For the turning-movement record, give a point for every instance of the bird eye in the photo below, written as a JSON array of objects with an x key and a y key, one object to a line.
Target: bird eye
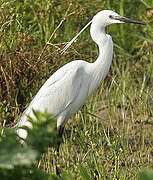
[{"x": 110, "y": 16}]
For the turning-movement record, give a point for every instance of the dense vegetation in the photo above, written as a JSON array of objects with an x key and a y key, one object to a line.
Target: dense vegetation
[{"x": 111, "y": 136}]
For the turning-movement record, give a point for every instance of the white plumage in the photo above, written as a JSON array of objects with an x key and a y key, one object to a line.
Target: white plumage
[{"x": 68, "y": 88}]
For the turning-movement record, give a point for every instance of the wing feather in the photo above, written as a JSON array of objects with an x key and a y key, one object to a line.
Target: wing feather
[{"x": 57, "y": 94}]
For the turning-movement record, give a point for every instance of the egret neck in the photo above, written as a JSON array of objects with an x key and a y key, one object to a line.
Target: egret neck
[{"x": 101, "y": 66}]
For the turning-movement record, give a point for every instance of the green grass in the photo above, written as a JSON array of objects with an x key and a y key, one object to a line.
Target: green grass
[{"x": 111, "y": 136}]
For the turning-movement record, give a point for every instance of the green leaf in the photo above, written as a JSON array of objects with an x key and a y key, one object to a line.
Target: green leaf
[
  {"x": 146, "y": 174},
  {"x": 83, "y": 172},
  {"x": 12, "y": 153},
  {"x": 43, "y": 134},
  {"x": 16, "y": 156}
]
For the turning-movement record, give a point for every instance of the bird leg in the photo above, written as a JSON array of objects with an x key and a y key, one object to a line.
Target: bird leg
[{"x": 60, "y": 131}]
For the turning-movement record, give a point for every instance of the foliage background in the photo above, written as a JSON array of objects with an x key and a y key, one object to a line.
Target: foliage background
[{"x": 112, "y": 134}]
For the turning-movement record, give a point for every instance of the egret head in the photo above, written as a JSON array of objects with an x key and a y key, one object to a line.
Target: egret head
[
  {"x": 102, "y": 19},
  {"x": 107, "y": 17}
]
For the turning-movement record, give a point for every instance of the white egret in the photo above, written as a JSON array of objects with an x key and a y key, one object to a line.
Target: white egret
[{"x": 65, "y": 92}]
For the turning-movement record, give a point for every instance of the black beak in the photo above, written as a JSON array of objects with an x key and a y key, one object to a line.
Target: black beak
[{"x": 127, "y": 20}]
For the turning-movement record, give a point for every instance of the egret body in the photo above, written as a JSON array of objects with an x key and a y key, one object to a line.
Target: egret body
[{"x": 65, "y": 92}]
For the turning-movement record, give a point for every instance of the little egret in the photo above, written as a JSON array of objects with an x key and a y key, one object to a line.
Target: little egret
[{"x": 65, "y": 92}]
